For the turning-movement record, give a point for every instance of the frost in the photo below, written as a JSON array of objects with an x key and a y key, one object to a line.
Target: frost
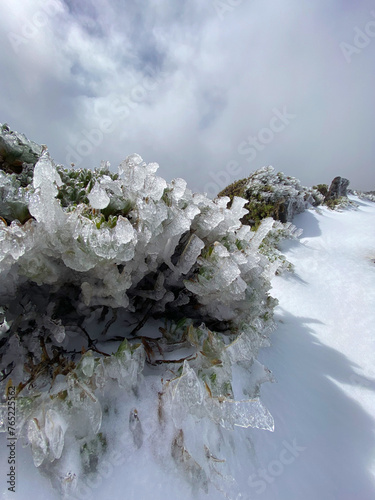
[{"x": 271, "y": 193}]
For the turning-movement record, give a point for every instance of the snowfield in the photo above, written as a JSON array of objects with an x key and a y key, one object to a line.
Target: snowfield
[{"x": 322, "y": 358}]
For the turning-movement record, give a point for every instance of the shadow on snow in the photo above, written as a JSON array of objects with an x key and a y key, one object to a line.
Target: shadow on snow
[{"x": 336, "y": 432}]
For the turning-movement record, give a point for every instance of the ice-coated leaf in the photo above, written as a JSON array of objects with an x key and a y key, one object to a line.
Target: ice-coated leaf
[
  {"x": 190, "y": 254},
  {"x": 186, "y": 394},
  {"x": 38, "y": 441},
  {"x": 87, "y": 364},
  {"x": 248, "y": 413},
  {"x": 154, "y": 186},
  {"x": 135, "y": 427},
  {"x": 125, "y": 366},
  {"x": 57, "y": 330},
  {"x": 54, "y": 429},
  {"x": 91, "y": 452},
  {"x": 124, "y": 230},
  {"x": 69, "y": 483},
  {"x": 46, "y": 175},
  {"x": 178, "y": 188},
  {"x": 241, "y": 349},
  {"x": 83, "y": 399},
  {"x": 98, "y": 197},
  {"x": 193, "y": 472}
]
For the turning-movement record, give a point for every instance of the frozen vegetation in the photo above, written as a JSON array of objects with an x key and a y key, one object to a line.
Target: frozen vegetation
[
  {"x": 114, "y": 286},
  {"x": 272, "y": 194}
]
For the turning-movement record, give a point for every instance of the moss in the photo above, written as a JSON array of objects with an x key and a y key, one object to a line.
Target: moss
[
  {"x": 333, "y": 203},
  {"x": 237, "y": 188},
  {"x": 117, "y": 207},
  {"x": 259, "y": 203},
  {"x": 16, "y": 210},
  {"x": 322, "y": 188},
  {"x": 77, "y": 184}
]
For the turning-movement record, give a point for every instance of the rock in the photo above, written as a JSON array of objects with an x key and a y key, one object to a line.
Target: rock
[{"x": 338, "y": 189}]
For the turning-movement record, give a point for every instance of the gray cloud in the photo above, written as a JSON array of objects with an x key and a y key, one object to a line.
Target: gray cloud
[{"x": 187, "y": 83}]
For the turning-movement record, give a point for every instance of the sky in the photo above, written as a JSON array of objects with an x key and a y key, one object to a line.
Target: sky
[{"x": 211, "y": 90}]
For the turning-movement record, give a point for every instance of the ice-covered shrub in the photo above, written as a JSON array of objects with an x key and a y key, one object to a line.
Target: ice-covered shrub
[
  {"x": 112, "y": 284},
  {"x": 272, "y": 194},
  {"x": 18, "y": 154},
  {"x": 368, "y": 195}
]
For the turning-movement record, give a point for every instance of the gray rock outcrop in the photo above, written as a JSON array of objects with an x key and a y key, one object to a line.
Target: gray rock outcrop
[{"x": 338, "y": 189}]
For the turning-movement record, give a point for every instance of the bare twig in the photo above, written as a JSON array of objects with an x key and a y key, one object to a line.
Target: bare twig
[
  {"x": 91, "y": 343},
  {"x": 110, "y": 322},
  {"x": 142, "y": 323}
]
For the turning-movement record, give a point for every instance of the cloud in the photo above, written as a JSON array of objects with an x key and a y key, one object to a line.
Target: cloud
[{"x": 185, "y": 83}]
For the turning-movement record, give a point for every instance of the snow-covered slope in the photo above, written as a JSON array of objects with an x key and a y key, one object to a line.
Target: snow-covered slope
[
  {"x": 323, "y": 399},
  {"x": 323, "y": 358}
]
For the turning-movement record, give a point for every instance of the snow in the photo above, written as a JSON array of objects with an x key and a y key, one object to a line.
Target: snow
[{"x": 322, "y": 358}]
